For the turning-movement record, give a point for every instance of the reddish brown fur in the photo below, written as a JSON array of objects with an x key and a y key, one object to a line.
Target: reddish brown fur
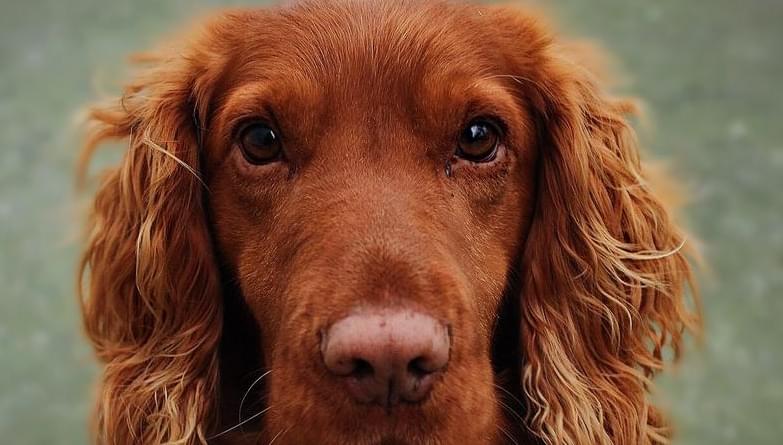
[{"x": 559, "y": 271}]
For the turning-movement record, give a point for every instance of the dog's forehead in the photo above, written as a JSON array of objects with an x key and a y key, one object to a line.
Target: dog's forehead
[{"x": 373, "y": 44}]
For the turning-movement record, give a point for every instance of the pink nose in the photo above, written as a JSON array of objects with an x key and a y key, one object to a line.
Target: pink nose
[{"x": 387, "y": 356}]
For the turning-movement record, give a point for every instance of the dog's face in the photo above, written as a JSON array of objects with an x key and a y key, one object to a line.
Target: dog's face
[
  {"x": 377, "y": 165},
  {"x": 378, "y": 223}
]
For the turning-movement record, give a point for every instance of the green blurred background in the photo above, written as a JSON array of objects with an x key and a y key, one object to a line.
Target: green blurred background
[{"x": 710, "y": 71}]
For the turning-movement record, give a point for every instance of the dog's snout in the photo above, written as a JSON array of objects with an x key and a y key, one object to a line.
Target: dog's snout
[{"x": 387, "y": 357}]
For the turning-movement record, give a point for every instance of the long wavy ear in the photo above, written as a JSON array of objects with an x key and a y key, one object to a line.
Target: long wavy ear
[
  {"x": 604, "y": 265},
  {"x": 152, "y": 308}
]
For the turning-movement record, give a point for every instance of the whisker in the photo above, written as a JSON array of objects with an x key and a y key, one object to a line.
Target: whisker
[
  {"x": 508, "y": 393},
  {"x": 255, "y": 382},
  {"x": 508, "y": 435},
  {"x": 518, "y": 79},
  {"x": 226, "y": 431},
  {"x": 280, "y": 434},
  {"x": 509, "y": 410}
]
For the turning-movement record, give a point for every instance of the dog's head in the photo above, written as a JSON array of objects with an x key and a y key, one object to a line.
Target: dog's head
[{"x": 351, "y": 222}]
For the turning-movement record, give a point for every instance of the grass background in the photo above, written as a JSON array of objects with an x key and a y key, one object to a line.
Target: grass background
[{"x": 710, "y": 71}]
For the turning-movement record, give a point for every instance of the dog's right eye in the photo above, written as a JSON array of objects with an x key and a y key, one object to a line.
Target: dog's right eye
[{"x": 260, "y": 144}]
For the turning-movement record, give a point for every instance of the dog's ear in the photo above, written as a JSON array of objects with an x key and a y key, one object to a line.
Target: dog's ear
[
  {"x": 604, "y": 265},
  {"x": 151, "y": 305}
]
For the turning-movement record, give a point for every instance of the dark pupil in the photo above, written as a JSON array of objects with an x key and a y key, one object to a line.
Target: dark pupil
[
  {"x": 260, "y": 144},
  {"x": 262, "y": 137}
]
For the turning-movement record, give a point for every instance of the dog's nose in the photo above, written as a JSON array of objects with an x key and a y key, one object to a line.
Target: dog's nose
[{"x": 386, "y": 357}]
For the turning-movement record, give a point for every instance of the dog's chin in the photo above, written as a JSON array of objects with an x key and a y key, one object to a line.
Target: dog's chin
[
  {"x": 376, "y": 433},
  {"x": 434, "y": 420}
]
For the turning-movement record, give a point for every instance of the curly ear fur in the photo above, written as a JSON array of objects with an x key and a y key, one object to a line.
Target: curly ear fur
[
  {"x": 604, "y": 269},
  {"x": 152, "y": 308}
]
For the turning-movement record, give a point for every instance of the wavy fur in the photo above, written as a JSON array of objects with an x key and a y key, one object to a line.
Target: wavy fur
[
  {"x": 605, "y": 272},
  {"x": 152, "y": 309}
]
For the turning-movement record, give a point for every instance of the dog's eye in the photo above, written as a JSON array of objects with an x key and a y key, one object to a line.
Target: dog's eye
[
  {"x": 478, "y": 141},
  {"x": 260, "y": 144}
]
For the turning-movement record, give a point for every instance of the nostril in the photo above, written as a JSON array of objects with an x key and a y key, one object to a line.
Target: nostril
[
  {"x": 362, "y": 369},
  {"x": 418, "y": 367}
]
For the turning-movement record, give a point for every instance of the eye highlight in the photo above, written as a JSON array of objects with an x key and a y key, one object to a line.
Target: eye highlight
[
  {"x": 478, "y": 141},
  {"x": 260, "y": 144}
]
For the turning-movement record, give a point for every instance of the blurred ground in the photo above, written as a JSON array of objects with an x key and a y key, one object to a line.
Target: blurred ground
[{"x": 708, "y": 69}]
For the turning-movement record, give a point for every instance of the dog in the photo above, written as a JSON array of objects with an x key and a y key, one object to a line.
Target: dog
[{"x": 378, "y": 222}]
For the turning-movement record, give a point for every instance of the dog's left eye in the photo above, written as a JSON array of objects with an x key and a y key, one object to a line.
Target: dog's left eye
[
  {"x": 478, "y": 141},
  {"x": 260, "y": 144}
]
